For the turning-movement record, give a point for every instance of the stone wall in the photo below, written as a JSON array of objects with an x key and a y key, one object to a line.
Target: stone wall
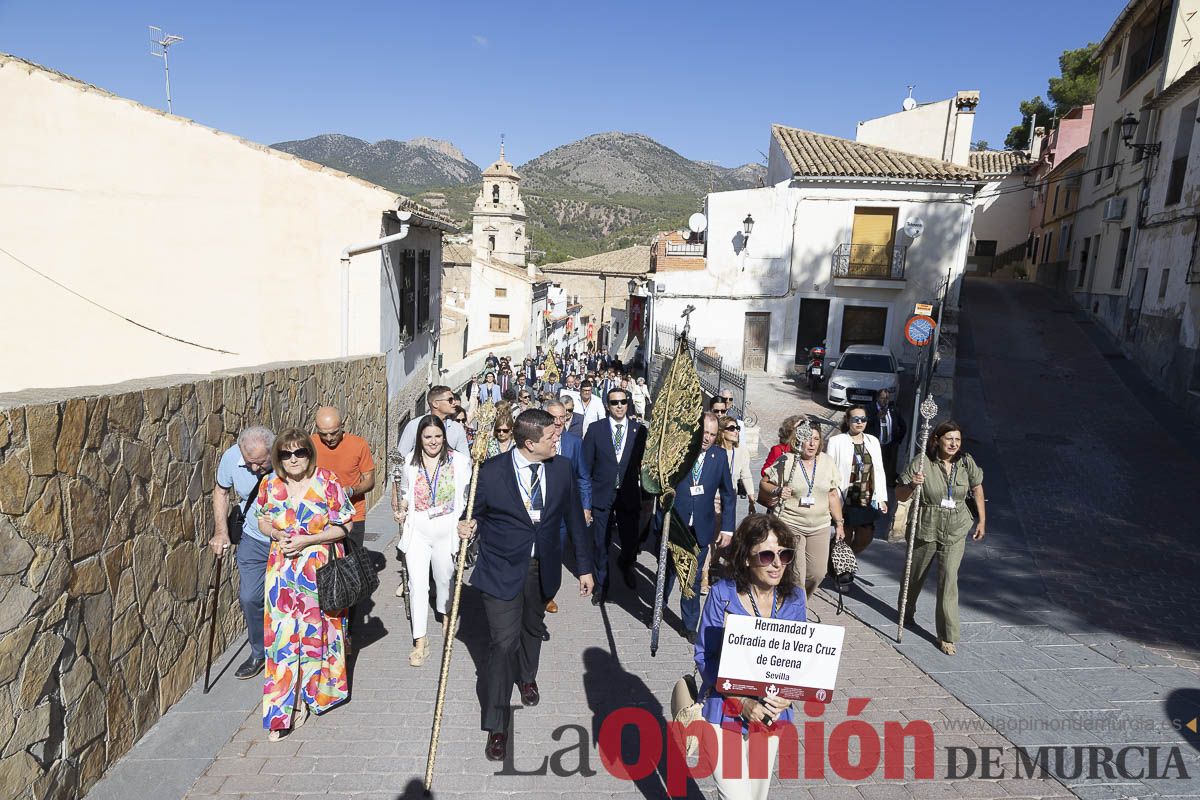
[{"x": 105, "y": 509}]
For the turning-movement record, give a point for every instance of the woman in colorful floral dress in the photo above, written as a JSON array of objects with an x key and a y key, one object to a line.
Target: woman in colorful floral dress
[{"x": 305, "y": 512}]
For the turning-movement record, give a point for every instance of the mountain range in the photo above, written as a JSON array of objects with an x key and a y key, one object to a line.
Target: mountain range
[{"x": 605, "y": 191}]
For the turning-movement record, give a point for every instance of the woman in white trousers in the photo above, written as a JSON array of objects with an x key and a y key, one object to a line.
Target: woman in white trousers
[
  {"x": 861, "y": 477},
  {"x": 432, "y": 494}
]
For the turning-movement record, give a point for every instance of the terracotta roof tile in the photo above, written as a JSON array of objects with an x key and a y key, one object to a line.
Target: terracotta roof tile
[
  {"x": 816, "y": 155},
  {"x": 633, "y": 260},
  {"x": 998, "y": 162}
]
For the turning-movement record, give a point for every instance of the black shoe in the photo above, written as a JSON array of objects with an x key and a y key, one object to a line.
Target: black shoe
[
  {"x": 598, "y": 597},
  {"x": 546, "y": 635},
  {"x": 530, "y": 696},
  {"x": 249, "y": 668},
  {"x": 629, "y": 576},
  {"x": 497, "y": 743}
]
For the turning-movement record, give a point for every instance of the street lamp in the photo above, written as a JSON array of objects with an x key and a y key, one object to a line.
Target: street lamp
[
  {"x": 1129, "y": 126},
  {"x": 633, "y": 286},
  {"x": 748, "y": 225}
]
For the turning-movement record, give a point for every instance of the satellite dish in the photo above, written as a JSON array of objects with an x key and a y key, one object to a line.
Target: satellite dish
[
  {"x": 914, "y": 227},
  {"x": 909, "y": 104},
  {"x": 697, "y": 222}
]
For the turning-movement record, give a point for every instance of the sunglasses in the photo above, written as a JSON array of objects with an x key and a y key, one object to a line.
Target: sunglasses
[
  {"x": 299, "y": 452},
  {"x": 858, "y": 419},
  {"x": 618, "y": 402},
  {"x": 503, "y": 430},
  {"x": 730, "y": 428},
  {"x": 767, "y": 557}
]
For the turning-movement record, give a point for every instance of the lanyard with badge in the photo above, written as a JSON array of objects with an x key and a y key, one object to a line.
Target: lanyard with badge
[
  {"x": 435, "y": 510},
  {"x": 807, "y": 500},
  {"x": 535, "y": 514},
  {"x": 948, "y": 500}
]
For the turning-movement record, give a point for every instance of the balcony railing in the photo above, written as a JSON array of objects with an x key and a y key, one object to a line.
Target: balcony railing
[
  {"x": 691, "y": 249},
  {"x": 873, "y": 261}
]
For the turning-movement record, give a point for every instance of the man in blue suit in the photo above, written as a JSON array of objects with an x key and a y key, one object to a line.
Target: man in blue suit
[
  {"x": 575, "y": 424},
  {"x": 522, "y": 499},
  {"x": 695, "y": 498},
  {"x": 569, "y": 448},
  {"x": 612, "y": 463}
]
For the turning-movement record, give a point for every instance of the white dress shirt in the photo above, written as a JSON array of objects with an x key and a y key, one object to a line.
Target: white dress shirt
[{"x": 594, "y": 412}]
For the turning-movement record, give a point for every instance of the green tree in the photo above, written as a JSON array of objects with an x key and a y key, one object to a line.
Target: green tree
[
  {"x": 979, "y": 145},
  {"x": 1076, "y": 85},
  {"x": 1079, "y": 73}
]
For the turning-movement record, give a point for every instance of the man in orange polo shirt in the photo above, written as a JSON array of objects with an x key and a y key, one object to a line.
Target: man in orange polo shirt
[{"x": 349, "y": 458}]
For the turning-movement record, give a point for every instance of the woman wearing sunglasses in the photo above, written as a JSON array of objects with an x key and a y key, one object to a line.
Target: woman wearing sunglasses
[
  {"x": 805, "y": 481},
  {"x": 305, "y": 512},
  {"x": 757, "y": 581},
  {"x": 502, "y": 431},
  {"x": 861, "y": 477},
  {"x": 434, "y": 483}
]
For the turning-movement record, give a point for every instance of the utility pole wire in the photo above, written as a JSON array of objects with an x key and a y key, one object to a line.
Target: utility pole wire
[{"x": 116, "y": 314}]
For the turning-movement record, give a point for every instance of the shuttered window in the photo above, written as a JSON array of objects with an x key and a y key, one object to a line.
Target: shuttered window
[{"x": 872, "y": 240}]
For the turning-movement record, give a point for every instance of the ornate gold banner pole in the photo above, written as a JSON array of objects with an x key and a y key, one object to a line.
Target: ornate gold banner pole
[
  {"x": 929, "y": 410},
  {"x": 485, "y": 418}
]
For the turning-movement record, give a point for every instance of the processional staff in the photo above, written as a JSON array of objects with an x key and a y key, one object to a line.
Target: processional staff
[{"x": 929, "y": 410}]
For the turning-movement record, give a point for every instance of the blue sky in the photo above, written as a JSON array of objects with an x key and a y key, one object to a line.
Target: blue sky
[{"x": 705, "y": 78}]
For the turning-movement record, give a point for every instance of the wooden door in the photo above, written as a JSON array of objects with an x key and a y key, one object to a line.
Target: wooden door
[
  {"x": 871, "y": 242},
  {"x": 756, "y": 341}
]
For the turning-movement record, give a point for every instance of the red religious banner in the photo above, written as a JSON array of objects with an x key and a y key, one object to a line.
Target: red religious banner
[
  {"x": 592, "y": 331},
  {"x": 637, "y": 316}
]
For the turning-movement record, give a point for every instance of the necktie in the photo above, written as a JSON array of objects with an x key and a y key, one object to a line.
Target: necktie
[
  {"x": 618, "y": 437},
  {"x": 535, "y": 488}
]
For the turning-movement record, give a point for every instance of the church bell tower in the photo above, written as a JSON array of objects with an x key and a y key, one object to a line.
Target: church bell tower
[{"x": 498, "y": 221}]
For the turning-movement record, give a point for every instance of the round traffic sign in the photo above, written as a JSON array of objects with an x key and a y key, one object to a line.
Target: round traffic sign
[{"x": 919, "y": 330}]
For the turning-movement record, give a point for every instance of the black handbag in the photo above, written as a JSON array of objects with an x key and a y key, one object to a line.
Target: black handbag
[
  {"x": 237, "y": 514},
  {"x": 346, "y": 581}
]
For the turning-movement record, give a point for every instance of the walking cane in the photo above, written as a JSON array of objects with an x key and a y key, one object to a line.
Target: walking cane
[
  {"x": 487, "y": 418},
  {"x": 929, "y": 410},
  {"x": 212, "y": 623}
]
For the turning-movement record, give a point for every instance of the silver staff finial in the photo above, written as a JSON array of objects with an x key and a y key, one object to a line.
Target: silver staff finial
[{"x": 929, "y": 408}]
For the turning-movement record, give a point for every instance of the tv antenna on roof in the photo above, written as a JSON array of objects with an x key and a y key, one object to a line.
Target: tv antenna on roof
[
  {"x": 909, "y": 103},
  {"x": 160, "y": 41}
]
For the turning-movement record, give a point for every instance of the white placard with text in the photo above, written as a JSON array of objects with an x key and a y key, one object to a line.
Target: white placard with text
[{"x": 796, "y": 660}]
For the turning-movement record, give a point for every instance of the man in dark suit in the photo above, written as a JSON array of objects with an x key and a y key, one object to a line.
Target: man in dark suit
[
  {"x": 523, "y": 498},
  {"x": 695, "y": 497},
  {"x": 612, "y": 463},
  {"x": 570, "y": 448},
  {"x": 505, "y": 381},
  {"x": 575, "y": 426},
  {"x": 886, "y": 423}
]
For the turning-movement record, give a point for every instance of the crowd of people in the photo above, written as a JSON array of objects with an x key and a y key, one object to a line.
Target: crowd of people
[{"x": 562, "y": 475}]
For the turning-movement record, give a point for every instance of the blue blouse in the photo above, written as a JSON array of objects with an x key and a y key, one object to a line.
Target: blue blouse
[{"x": 722, "y": 599}]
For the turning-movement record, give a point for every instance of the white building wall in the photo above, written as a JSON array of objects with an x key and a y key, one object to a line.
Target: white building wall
[
  {"x": 485, "y": 279},
  {"x": 935, "y": 130},
  {"x": 790, "y": 257},
  {"x": 187, "y": 230},
  {"x": 1002, "y": 212}
]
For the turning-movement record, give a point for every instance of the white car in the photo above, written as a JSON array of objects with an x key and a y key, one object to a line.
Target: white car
[{"x": 860, "y": 373}]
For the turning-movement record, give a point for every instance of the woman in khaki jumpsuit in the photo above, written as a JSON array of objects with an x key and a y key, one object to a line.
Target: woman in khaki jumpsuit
[{"x": 944, "y": 522}]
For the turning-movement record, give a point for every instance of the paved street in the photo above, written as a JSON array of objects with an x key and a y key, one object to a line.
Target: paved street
[
  {"x": 1046, "y": 657},
  {"x": 1079, "y": 623}
]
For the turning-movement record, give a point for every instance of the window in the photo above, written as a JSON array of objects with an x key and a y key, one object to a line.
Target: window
[
  {"x": 1114, "y": 60},
  {"x": 492, "y": 243},
  {"x": 1147, "y": 41},
  {"x": 1033, "y": 251},
  {"x": 871, "y": 242},
  {"x": 1122, "y": 254},
  {"x": 498, "y": 323},
  {"x": 1111, "y": 153},
  {"x": 985, "y": 247},
  {"x": 424, "y": 280},
  {"x": 1064, "y": 242},
  {"x": 1162, "y": 284},
  {"x": 1183, "y": 145},
  {"x": 1054, "y": 208},
  {"x": 1046, "y": 244},
  {"x": 1083, "y": 262},
  {"x": 408, "y": 292},
  {"x": 501, "y": 292},
  {"x": 495, "y": 193},
  {"x": 1100, "y": 156}
]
